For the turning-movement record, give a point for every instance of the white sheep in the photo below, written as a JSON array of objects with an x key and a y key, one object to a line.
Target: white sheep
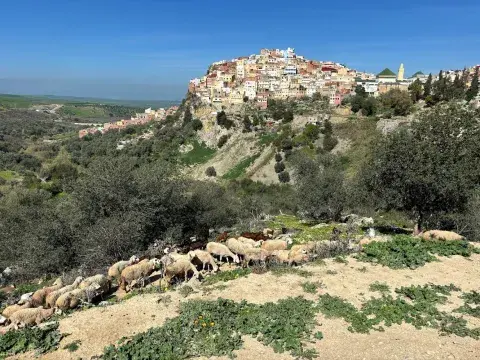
[
  {"x": 99, "y": 279},
  {"x": 30, "y": 316},
  {"x": 304, "y": 248},
  {"x": 268, "y": 232},
  {"x": 297, "y": 258},
  {"x": 281, "y": 256},
  {"x": 137, "y": 272},
  {"x": 38, "y": 297},
  {"x": 251, "y": 242},
  {"x": 237, "y": 247},
  {"x": 10, "y": 310},
  {"x": 73, "y": 298},
  {"x": 272, "y": 245},
  {"x": 440, "y": 235},
  {"x": 255, "y": 255},
  {"x": 116, "y": 269},
  {"x": 54, "y": 295},
  {"x": 222, "y": 251},
  {"x": 204, "y": 257},
  {"x": 179, "y": 267},
  {"x": 176, "y": 256}
]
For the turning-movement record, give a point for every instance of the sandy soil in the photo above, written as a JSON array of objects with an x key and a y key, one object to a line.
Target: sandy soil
[{"x": 99, "y": 327}]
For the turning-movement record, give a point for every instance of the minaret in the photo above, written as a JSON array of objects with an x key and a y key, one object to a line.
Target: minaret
[{"x": 401, "y": 73}]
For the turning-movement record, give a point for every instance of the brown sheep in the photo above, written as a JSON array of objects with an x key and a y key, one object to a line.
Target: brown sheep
[
  {"x": 10, "y": 310},
  {"x": 39, "y": 296},
  {"x": 255, "y": 236},
  {"x": 272, "y": 245},
  {"x": 179, "y": 267},
  {"x": 137, "y": 272},
  {"x": 31, "y": 316}
]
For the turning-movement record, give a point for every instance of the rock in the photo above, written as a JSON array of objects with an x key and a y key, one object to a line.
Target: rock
[
  {"x": 103, "y": 303},
  {"x": 7, "y": 272},
  {"x": 358, "y": 220}
]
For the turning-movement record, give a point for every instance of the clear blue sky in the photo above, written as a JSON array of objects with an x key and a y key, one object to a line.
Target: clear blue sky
[{"x": 149, "y": 49}]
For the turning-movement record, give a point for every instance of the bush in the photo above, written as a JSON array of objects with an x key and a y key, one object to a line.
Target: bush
[
  {"x": 329, "y": 143},
  {"x": 197, "y": 125},
  {"x": 222, "y": 141},
  {"x": 284, "y": 177},
  {"x": 399, "y": 101},
  {"x": 279, "y": 167},
  {"x": 211, "y": 171},
  {"x": 223, "y": 121},
  {"x": 278, "y": 157}
]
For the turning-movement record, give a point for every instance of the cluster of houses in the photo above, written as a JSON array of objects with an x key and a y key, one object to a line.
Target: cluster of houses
[
  {"x": 282, "y": 74},
  {"x": 138, "y": 119}
]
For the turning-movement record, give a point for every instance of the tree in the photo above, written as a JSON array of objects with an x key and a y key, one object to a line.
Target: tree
[
  {"x": 360, "y": 91},
  {"x": 398, "y": 101},
  {"x": 458, "y": 88},
  {"x": 319, "y": 186},
  {"x": 211, "y": 171},
  {"x": 245, "y": 99},
  {"x": 416, "y": 90},
  {"x": 473, "y": 90},
  {"x": 288, "y": 116},
  {"x": 222, "y": 141},
  {"x": 223, "y": 120},
  {"x": 284, "y": 177},
  {"x": 278, "y": 157},
  {"x": 197, "y": 125},
  {"x": 247, "y": 123},
  {"x": 431, "y": 168},
  {"x": 279, "y": 167},
  {"x": 187, "y": 117},
  {"x": 427, "y": 88},
  {"x": 369, "y": 106}
]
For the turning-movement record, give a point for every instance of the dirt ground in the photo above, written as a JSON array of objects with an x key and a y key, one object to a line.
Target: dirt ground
[{"x": 102, "y": 326}]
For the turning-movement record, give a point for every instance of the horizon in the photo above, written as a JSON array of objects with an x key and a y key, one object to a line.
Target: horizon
[{"x": 149, "y": 50}]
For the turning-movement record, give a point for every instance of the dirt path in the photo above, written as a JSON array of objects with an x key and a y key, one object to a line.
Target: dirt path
[{"x": 102, "y": 326}]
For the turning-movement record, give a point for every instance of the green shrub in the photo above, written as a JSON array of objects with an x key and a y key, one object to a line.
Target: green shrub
[
  {"x": 226, "y": 276},
  {"x": 279, "y": 167},
  {"x": 284, "y": 177},
  {"x": 471, "y": 298},
  {"x": 278, "y": 157},
  {"x": 197, "y": 125},
  {"x": 30, "y": 339},
  {"x": 211, "y": 171},
  {"x": 222, "y": 141},
  {"x": 311, "y": 287},
  {"x": 380, "y": 287},
  {"x": 73, "y": 346},
  {"x": 405, "y": 251},
  {"x": 215, "y": 328}
]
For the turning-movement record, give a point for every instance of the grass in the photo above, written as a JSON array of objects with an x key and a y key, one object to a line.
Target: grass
[
  {"x": 414, "y": 305},
  {"x": 186, "y": 290},
  {"x": 307, "y": 231},
  {"x": 200, "y": 154},
  {"x": 226, "y": 276},
  {"x": 331, "y": 272},
  {"x": 380, "y": 287},
  {"x": 280, "y": 270},
  {"x": 30, "y": 339},
  {"x": 9, "y": 175},
  {"x": 73, "y": 346},
  {"x": 240, "y": 168},
  {"x": 311, "y": 287},
  {"x": 267, "y": 139},
  {"x": 215, "y": 328},
  {"x": 340, "y": 259},
  {"x": 407, "y": 252}
]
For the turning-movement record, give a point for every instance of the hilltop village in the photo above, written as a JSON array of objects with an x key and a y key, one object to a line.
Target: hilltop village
[
  {"x": 282, "y": 74},
  {"x": 138, "y": 119}
]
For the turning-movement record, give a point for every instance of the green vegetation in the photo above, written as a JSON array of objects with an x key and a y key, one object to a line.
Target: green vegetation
[
  {"x": 280, "y": 270},
  {"x": 73, "y": 346},
  {"x": 311, "y": 287},
  {"x": 408, "y": 252},
  {"x": 421, "y": 312},
  {"x": 239, "y": 169},
  {"x": 226, "y": 276},
  {"x": 30, "y": 339},
  {"x": 200, "y": 154},
  {"x": 215, "y": 328},
  {"x": 469, "y": 299},
  {"x": 340, "y": 259},
  {"x": 380, "y": 287}
]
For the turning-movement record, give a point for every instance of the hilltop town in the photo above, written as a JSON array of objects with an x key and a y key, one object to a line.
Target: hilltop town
[
  {"x": 283, "y": 74},
  {"x": 138, "y": 119}
]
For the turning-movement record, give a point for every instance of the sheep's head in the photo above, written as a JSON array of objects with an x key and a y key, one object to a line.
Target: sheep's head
[
  {"x": 259, "y": 243},
  {"x": 155, "y": 263},
  {"x": 133, "y": 260},
  {"x": 58, "y": 282},
  {"x": 78, "y": 280},
  {"x": 289, "y": 241}
]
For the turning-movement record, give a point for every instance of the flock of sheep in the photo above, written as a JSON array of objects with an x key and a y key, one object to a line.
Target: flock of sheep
[{"x": 249, "y": 248}]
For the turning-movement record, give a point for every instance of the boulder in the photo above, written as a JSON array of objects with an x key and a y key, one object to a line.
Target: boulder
[{"x": 440, "y": 235}]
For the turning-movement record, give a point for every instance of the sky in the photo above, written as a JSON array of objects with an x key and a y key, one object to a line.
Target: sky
[{"x": 149, "y": 49}]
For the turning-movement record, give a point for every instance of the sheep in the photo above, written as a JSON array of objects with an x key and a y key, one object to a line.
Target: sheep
[
  {"x": 73, "y": 298},
  {"x": 116, "y": 269},
  {"x": 238, "y": 247},
  {"x": 30, "y": 316},
  {"x": 10, "y": 310},
  {"x": 137, "y": 272},
  {"x": 255, "y": 236},
  {"x": 99, "y": 279},
  {"x": 204, "y": 257},
  {"x": 165, "y": 260},
  {"x": 54, "y": 295},
  {"x": 222, "y": 251},
  {"x": 250, "y": 241},
  {"x": 222, "y": 237},
  {"x": 281, "y": 256},
  {"x": 440, "y": 235},
  {"x": 297, "y": 258},
  {"x": 272, "y": 245},
  {"x": 268, "y": 232},
  {"x": 255, "y": 254},
  {"x": 304, "y": 248},
  {"x": 179, "y": 267},
  {"x": 38, "y": 297},
  {"x": 176, "y": 256}
]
